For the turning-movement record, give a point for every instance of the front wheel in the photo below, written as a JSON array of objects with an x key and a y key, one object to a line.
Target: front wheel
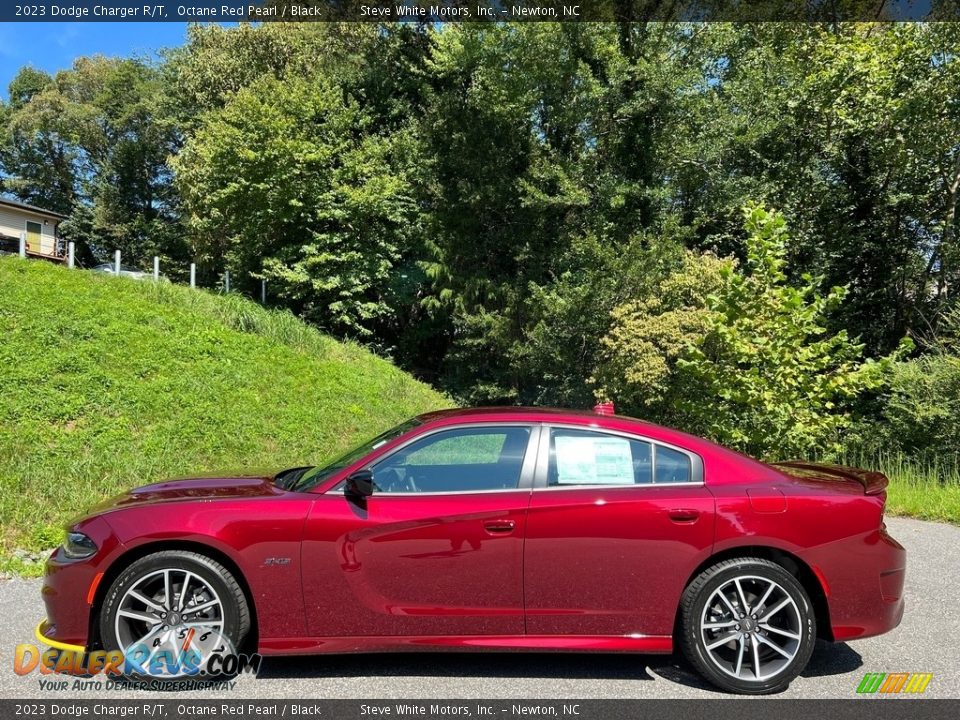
[
  {"x": 747, "y": 626},
  {"x": 171, "y": 613}
]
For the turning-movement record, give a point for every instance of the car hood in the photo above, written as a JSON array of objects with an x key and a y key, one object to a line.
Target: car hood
[{"x": 196, "y": 489}]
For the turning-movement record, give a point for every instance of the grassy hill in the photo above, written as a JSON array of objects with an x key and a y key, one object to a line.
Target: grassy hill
[{"x": 107, "y": 383}]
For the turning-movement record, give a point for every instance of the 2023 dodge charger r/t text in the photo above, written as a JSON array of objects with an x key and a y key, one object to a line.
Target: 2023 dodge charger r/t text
[{"x": 497, "y": 529}]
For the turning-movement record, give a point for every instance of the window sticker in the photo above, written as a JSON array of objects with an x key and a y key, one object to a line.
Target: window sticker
[{"x": 593, "y": 461}]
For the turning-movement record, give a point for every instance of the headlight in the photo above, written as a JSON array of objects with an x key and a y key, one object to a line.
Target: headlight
[{"x": 77, "y": 546}]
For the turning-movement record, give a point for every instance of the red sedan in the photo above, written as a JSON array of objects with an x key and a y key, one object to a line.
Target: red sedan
[{"x": 495, "y": 529}]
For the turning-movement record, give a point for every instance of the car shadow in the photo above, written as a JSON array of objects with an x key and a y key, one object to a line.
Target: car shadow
[
  {"x": 827, "y": 659},
  {"x": 532, "y": 665},
  {"x": 832, "y": 659}
]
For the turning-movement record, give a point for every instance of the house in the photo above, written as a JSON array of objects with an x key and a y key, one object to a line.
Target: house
[{"x": 39, "y": 225}]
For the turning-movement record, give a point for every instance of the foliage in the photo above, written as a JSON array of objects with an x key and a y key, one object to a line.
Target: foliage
[
  {"x": 649, "y": 336},
  {"x": 772, "y": 379},
  {"x": 38, "y": 163},
  {"x": 94, "y": 141},
  {"x": 505, "y": 227},
  {"x": 919, "y": 413},
  {"x": 142, "y": 381},
  {"x": 284, "y": 184},
  {"x": 851, "y": 130}
]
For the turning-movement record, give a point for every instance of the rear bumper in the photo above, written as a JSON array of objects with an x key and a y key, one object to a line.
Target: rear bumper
[{"x": 865, "y": 593}]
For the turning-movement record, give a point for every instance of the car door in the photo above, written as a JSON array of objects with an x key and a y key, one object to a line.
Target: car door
[
  {"x": 437, "y": 550},
  {"x": 615, "y": 526}
]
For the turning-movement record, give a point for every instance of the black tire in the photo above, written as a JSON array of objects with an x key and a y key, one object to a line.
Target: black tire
[
  {"x": 694, "y": 646},
  {"x": 236, "y": 613}
]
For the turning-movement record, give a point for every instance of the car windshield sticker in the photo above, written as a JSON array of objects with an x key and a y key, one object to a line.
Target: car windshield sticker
[{"x": 593, "y": 461}]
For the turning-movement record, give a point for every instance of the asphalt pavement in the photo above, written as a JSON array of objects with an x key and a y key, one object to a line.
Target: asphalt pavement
[{"x": 926, "y": 641}]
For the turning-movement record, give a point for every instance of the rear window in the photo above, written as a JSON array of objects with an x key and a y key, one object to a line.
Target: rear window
[{"x": 588, "y": 457}]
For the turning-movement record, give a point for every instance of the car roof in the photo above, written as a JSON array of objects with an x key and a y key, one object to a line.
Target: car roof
[
  {"x": 525, "y": 411},
  {"x": 729, "y": 464},
  {"x": 512, "y": 413}
]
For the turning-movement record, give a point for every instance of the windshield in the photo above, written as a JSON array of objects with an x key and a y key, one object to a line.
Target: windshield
[{"x": 303, "y": 481}]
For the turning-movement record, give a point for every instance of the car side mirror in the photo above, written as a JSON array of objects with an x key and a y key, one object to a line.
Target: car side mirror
[{"x": 359, "y": 484}]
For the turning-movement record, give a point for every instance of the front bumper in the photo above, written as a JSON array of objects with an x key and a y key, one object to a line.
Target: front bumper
[
  {"x": 70, "y": 587},
  {"x": 46, "y": 635}
]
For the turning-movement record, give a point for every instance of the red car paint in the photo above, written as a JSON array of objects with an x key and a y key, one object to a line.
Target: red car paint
[{"x": 575, "y": 568}]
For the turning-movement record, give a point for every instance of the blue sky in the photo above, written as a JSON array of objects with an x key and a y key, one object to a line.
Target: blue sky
[{"x": 52, "y": 46}]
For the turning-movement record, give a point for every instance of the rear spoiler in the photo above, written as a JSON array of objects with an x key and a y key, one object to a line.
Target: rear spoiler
[{"x": 873, "y": 483}]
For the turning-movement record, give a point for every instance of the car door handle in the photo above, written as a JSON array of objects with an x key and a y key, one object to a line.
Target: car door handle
[
  {"x": 684, "y": 515},
  {"x": 499, "y": 527}
]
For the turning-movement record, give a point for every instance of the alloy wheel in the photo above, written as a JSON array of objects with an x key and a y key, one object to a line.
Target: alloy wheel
[
  {"x": 169, "y": 610},
  {"x": 751, "y": 628}
]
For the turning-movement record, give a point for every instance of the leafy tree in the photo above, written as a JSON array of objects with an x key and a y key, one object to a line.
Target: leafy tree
[
  {"x": 38, "y": 160},
  {"x": 651, "y": 335},
  {"x": 526, "y": 159},
  {"x": 919, "y": 411},
  {"x": 851, "y": 130},
  {"x": 771, "y": 378},
  {"x": 287, "y": 183},
  {"x": 94, "y": 140}
]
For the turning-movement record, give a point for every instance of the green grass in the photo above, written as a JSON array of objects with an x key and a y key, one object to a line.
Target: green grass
[
  {"x": 108, "y": 383},
  {"x": 929, "y": 491}
]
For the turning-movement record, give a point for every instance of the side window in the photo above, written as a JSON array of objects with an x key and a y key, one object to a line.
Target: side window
[
  {"x": 673, "y": 466},
  {"x": 585, "y": 457},
  {"x": 458, "y": 460}
]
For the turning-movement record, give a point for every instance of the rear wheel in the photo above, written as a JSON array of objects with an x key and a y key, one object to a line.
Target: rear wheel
[
  {"x": 747, "y": 626},
  {"x": 171, "y": 612}
]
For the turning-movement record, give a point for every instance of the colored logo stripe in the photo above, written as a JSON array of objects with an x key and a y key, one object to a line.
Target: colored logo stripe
[
  {"x": 871, "y": 682},
  {"x": 918, "y": 682},
  {"x": 891, "y": 683}
]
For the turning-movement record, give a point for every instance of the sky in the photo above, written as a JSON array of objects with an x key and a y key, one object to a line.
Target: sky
[{"x": 52, "y": 46}]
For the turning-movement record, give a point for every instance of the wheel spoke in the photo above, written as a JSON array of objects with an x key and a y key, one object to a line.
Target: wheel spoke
[
  {"x": 165, "y": 644},
  {"x": 743, "y": 597},
  {"x": 153, "y": 632},
  {"x": 726, "y": 602},
  {"x": 741, "y": 651},
  {"x": 777, "y": 608},
  {"x": 723, "y": 641},
  {"x": 719, "y": 625},
  {"x": 756, "y": 656},
  {"x": 765, "y": 641},
  {"x": 780, "y": 631},
  {"x": 204, "y": 623},
  {"x": 146, "y": 601},
  {"x": 765, "y": 596},
  {"x": 198, "y": 608},
  {"x": 167, "y": 591},
  {"x": 183, "y": 590},
  {"x": 142, "y": 616}
]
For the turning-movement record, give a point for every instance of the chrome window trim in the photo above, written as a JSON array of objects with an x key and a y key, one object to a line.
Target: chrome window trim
[
  {"x": 543, "y": 460},
  {"x": 527, "y": 469}
]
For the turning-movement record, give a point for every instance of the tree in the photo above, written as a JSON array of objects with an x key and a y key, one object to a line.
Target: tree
[
  {"x": 289, "y": 183},
  {"x": 770, "y": 377},
  {"x": 650, "y": 335},
  {"x": 94, "y": 140},
  {"x": 38, "y": 160},
  {"x": 851, "y": 130}
]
